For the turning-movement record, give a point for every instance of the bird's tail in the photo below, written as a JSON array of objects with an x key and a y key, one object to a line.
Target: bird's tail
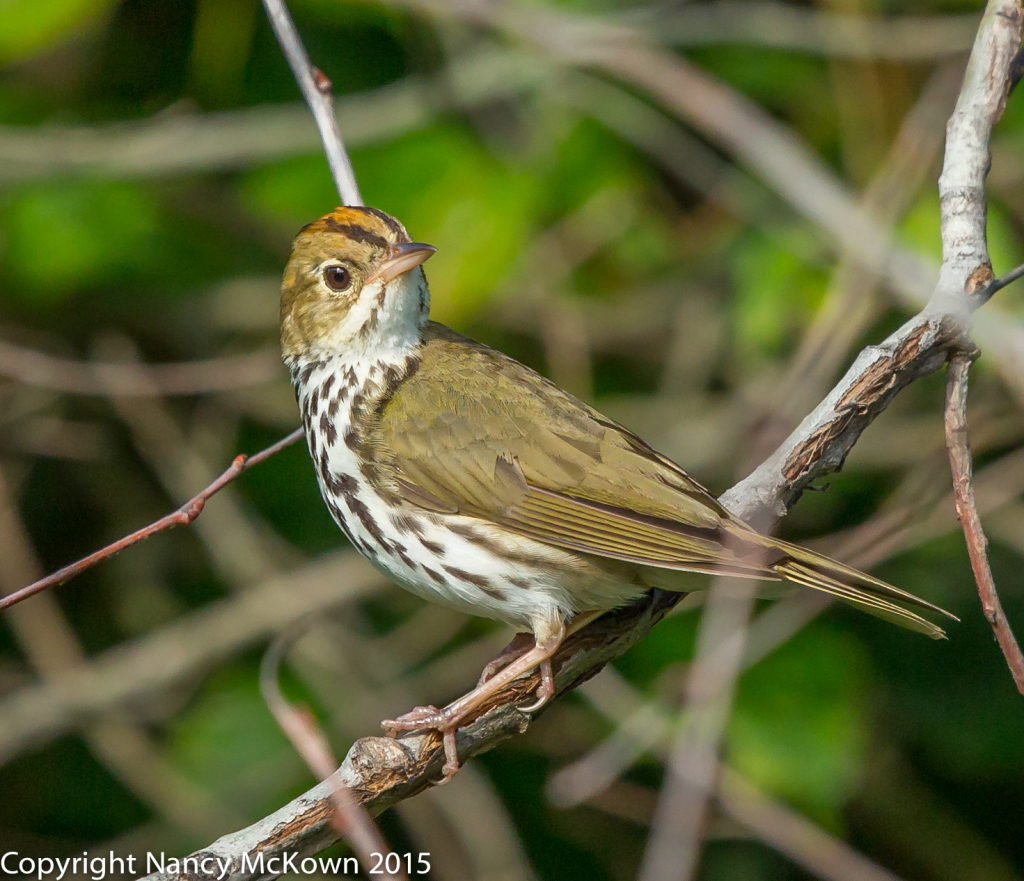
[{"x": 869, "y": 594}]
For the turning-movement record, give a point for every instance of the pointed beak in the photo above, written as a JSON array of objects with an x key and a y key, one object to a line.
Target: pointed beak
[{"x": 404, "y": 257}]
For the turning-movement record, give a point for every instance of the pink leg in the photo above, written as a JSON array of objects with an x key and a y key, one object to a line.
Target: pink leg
[
  {"x": 521, "y": 643},
  {"x": 448, "y": 720}
]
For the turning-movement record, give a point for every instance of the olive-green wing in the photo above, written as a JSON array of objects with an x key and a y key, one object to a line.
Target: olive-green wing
[{"x": 478, "y": 433}]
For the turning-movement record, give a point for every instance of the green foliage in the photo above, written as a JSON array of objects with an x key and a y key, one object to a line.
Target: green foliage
[
  {"x": 776, "y": 292},
  {"x": 227, "y": 736},
  {"x": 30, "y": 26},
  {"x": 800, "y": 727},
  {"x": 66, "y": 235}
]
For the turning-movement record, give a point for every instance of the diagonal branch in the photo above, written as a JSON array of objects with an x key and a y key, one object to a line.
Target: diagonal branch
[
  {"x": 316, "y": 89},
  {"x": 183, "y": 516},
  {"x": 967, "y": 511}
]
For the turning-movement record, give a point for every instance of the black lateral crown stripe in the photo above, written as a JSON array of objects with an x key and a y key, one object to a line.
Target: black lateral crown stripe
[
  {"x": 400, "y": 234},
  {"x": 357, "y": 233}
]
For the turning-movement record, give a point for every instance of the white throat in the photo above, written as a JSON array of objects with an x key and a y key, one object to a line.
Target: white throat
[{"x": 383, "y": 326}]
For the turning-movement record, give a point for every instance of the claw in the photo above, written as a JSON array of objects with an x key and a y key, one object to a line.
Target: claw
[
  {"x": 546, "y": 689},
  {"x": 451, "y": 718}
]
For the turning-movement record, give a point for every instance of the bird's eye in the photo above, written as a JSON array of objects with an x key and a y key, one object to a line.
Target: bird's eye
[{"x": 337, "y": 278}]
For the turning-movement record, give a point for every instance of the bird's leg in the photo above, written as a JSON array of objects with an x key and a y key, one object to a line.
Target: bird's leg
[
  {"x": 521, "y": 642},
  {"x": 548, "y": 637}
]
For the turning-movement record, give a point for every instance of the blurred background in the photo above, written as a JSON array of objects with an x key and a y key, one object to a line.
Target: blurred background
[{"x": 649, "y": 204}]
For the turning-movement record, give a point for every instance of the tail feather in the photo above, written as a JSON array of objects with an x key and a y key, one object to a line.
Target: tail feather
[{"x": 863, "y": 591}]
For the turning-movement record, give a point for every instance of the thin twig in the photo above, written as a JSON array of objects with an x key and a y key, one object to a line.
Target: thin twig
[
  {"x": 967, "y": 511},
  {"x": 316, "y": 89},
  {"x": 181, "y": 517},
  {"x": 1000, "y": 283},
  {"x": 300, "y": 726}
]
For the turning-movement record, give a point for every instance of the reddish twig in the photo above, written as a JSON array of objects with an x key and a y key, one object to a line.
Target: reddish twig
[
  {"x": 966, "y": 509},
  {"x": 182, "y": 517},
  {"x": 349, "y": 818}
]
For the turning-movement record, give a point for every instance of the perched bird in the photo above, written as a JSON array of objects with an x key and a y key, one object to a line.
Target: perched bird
[{"x": 473, "y": 481}]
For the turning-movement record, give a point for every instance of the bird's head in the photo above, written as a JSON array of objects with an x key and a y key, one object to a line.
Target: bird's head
[{"x": 353, "y": 284}]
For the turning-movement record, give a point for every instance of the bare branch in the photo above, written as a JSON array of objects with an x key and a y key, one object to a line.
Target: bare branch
[
  {"x": 962, "y": 204},
  {"x": 182, "y": 517},
  {"x": 967, "y": 511},
  {"x": 316, "y": 89}
]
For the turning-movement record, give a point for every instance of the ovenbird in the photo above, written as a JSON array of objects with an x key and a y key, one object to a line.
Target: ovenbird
[{"x": 472, "y": 481}]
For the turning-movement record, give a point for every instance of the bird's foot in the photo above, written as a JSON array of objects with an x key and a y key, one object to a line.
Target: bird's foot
[
  {"x": 451, "y": 718},
  {"x": 417, "y": 718},
  {"x": 546, "y": 689},
  {"x": 431, "y": 719}
]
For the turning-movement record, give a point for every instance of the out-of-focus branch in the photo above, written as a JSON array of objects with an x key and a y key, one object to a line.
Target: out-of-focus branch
[
  {"x": 802, "y": 841},
  {"x": 807, "y": 844},
  {"x": 316, "y": 89},
  {"x": 815, "y": 31},
  {"x": 173, "y": 143},
  {"x": 180, "y": 649},
  {"x": 300, "y": 726},
  {"x": 851, "y": 300},
  {"x": 768, "y": 148},
  {"x": 33, "y": 367},
  {"x": 677, "y": 831},
  {"x": 177, "y": 143},
  {"x": 967, "y": 511}
]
